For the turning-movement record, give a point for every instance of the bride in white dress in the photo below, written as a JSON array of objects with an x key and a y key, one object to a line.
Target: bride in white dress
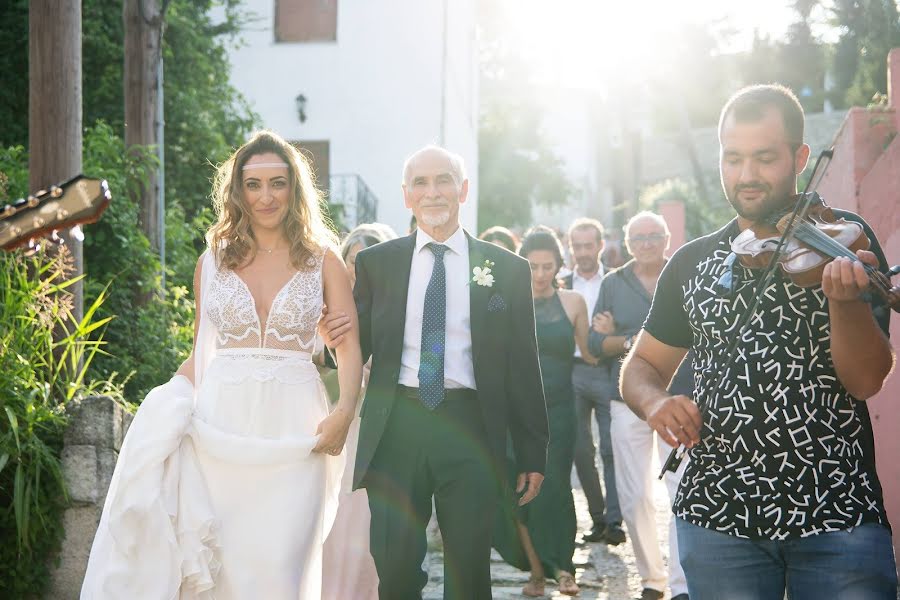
[{"x": 228, "y": 480}]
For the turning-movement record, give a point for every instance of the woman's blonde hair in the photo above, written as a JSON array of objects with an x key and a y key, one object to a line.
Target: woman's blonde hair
[{"x": 306, "y": 225}]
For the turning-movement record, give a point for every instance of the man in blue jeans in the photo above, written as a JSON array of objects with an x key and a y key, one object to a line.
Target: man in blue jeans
[
  {"x": 595, "y": 386},
  {"x": 781, "y": 491}
]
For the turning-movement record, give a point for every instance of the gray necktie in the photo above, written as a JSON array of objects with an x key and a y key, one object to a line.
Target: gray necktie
[{"x": 434, "y": 320}]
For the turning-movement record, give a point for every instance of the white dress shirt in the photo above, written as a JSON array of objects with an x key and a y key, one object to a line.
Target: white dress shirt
[
  {"x": 589, "y": 290},
  {"x": 458, "y": 369}
]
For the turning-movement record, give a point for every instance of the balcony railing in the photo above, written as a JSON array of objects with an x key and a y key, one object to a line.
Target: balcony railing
[{"x": 352, "y": 201}]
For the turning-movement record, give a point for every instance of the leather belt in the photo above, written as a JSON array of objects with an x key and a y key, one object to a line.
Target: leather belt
[{"x": 449, "y": 393}]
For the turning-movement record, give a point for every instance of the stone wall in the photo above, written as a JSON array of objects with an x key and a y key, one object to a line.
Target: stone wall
[{"x": 97, "y": 426}]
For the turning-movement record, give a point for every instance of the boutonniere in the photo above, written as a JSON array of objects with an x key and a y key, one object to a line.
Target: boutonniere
[{"x": 482, "y": 275}]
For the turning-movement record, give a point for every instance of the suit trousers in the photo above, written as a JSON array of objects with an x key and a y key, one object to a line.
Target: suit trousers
[{"x": 441, "y": 454}]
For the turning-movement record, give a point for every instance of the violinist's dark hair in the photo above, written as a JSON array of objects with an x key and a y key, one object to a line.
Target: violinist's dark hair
[{"x": 750, "y": 104}]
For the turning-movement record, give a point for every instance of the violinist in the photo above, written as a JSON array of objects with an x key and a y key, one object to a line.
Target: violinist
[{"x": 780, "y": 493}]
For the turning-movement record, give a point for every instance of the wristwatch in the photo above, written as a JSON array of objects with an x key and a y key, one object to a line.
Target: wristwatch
[{"x": 627, "y": 344}]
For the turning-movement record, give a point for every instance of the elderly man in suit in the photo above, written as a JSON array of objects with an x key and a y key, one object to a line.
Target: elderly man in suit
[{"x": 449, "y": 322}]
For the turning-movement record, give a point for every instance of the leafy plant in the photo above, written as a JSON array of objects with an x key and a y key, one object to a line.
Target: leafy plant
[{"x": 44, "y": 359}]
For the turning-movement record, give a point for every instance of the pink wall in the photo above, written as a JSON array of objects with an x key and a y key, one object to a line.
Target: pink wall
[
  {"x": 673, "y": 212},
  {"x": 864, "y": 177}
]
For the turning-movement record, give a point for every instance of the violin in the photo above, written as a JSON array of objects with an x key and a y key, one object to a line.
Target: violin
[
  {"x": 817, "y": 237},
  {"x": 800, "y": 241}
]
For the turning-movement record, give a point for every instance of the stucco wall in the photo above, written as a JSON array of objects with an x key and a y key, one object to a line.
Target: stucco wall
[
  {"x": 864, "y": 177},
  {"x": 378, "y": 93}
]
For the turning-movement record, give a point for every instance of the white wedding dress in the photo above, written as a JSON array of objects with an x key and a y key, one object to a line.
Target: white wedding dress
[{"x": 216, "y": 494}]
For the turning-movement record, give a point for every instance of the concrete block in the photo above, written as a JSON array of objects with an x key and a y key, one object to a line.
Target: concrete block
[
  {"x": 81, "y": 525},
  {"x": 95, "y": 421},
  {"x": 80, "y": 470}
]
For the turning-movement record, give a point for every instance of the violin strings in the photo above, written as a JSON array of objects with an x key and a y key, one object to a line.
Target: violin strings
[{"x": 825, "y": 243}]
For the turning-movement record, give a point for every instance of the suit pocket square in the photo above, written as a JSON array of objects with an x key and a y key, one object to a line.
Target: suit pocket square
[{"x": 496, "y": 303}]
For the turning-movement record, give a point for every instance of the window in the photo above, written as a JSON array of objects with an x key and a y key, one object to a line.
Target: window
[
  {"x": 305, "y": 20},
  {"x": 316, "y": 152}
]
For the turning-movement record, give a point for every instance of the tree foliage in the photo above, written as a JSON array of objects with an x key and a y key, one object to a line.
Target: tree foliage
[
  {"x": 205, "y": 118},
  {"x": 516, "y": 168},
  {"x": 869, "y": 29}
]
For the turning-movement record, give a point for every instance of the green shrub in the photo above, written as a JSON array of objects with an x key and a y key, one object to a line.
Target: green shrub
[{"x": 44, "y": 357}]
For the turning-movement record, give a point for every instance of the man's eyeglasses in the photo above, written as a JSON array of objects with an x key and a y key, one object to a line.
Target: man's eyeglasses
[
  {"x": 727, "y": 282},
  {"x": 653, "y": 238}
]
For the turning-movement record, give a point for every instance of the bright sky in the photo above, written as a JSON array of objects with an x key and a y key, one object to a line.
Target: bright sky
[{"x": 566, "y": 40}]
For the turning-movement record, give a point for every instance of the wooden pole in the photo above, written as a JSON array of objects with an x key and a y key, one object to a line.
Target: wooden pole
[
  {"x": 54, "y": 106},
  {"x": 143, "y": 21}
]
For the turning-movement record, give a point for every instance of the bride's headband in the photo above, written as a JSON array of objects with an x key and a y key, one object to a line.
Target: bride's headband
[{"x": 272, "y": 165}]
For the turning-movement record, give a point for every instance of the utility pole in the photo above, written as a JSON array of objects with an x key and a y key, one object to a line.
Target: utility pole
[
  {"x": 54, "y": 108},
  {"x": 143, "y": 23}
]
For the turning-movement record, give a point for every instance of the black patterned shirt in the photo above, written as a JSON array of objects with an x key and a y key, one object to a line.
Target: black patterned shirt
[{"x": 785, "y": 450}]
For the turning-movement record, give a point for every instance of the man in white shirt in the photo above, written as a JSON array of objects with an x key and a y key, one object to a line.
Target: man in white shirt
[
  {"x": 594, "y": 387},
  {"x": 449, "y": 323}
]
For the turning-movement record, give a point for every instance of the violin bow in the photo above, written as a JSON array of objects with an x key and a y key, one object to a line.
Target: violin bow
[{"x": 677, "y": 454}]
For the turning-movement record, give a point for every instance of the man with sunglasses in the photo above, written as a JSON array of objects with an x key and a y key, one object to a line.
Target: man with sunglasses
[
  {"x": 781, "y": 491},
  {"x": 625, "y": 297}
]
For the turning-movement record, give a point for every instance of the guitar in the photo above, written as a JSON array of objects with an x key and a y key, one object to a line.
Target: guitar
[{"x": 78, "y": 201}]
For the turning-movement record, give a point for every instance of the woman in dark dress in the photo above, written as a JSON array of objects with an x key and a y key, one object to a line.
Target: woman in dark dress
[{"x": 540, "y": 537}]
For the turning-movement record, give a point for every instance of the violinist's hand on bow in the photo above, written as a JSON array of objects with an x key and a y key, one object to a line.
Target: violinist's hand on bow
[
  {"x": 843, "y": 279},
  {"x": 677, "y": 420}
]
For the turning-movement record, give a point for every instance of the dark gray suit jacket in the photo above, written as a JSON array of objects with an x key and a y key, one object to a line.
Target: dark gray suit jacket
[{"x": 504, "y": 349}]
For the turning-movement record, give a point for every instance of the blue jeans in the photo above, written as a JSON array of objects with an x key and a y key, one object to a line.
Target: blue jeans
[
  {"x": 593, "y": 393},
  {"x": 856, "y": 564}
]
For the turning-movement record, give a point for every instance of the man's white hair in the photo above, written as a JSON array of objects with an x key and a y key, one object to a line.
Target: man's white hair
[
  {"x": 646, "y": 214},
  {"x": 457, "y": 165}
]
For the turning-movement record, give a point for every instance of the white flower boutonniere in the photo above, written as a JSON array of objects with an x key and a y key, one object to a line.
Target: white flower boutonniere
[{"x": 483, "y": 275}]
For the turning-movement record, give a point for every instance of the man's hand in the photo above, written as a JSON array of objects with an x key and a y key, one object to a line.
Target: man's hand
[
  {"x": 530, "y": 483},
  {"x": 677, "y": 420},
  {"x": 844, "y": 279},
  {"x": 603, "y": 323},
  {"x": 332, "y": 327}
]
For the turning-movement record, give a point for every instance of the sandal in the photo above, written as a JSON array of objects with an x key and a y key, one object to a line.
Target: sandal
[
  {"x": 534, "y": 588},
  {"x": 567, "y": 585}
]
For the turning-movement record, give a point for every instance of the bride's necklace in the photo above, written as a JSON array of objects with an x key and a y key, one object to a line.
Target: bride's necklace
[{"x": 269, "y": 251}]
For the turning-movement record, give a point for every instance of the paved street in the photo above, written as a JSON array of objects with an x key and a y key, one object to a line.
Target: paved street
[{"x": 603, "y": 572}]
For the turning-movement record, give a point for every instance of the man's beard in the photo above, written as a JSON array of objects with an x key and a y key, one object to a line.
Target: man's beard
[
  {"x": 436, "y": 220},
  {"x": 774, "y": 199},
  {"x": 587, "y": 264}
]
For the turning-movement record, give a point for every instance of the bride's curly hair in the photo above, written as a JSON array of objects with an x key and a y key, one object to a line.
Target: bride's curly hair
[{"x": 306, "y": 224}]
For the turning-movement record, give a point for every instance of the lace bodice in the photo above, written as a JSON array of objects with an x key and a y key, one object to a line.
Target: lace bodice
[{"x": 290, "y": 324}]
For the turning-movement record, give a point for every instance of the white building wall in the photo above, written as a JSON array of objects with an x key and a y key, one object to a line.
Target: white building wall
[
  {"x": 376, "y": 93},
  {"x": 572, "y": 130}
]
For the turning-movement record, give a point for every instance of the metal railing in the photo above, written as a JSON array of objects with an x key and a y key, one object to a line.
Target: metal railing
[{"x": 351, "y": 200}]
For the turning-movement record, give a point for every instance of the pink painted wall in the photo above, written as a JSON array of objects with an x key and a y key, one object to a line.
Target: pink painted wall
[
  {"x": 864, "y": 177},
  {"x": 673, "y": 212}
]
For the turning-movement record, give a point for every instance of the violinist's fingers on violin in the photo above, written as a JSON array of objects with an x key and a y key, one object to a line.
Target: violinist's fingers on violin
[
  {"x": 867, "y": 257},
  {"x": 848, "y": 277},
  {"x": 859, "y": 274}
]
